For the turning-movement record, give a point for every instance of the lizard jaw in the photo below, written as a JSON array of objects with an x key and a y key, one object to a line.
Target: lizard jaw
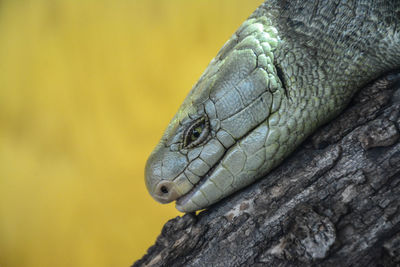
[{"x": 183, "y": 200}]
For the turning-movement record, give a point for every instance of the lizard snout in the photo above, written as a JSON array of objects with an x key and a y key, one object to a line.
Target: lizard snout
[{"x": 165, "y": 192}]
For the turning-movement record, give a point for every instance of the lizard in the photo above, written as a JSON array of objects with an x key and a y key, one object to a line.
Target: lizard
[{"x": 291, "y": 67}]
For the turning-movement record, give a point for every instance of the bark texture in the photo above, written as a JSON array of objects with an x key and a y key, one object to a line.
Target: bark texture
[{"x": 334, "y": 202}]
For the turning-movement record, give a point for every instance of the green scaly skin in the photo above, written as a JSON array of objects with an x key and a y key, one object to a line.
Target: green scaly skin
[{"x": 291, "y": 67}]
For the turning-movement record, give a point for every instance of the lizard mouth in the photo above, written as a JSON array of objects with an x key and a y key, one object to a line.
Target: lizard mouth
[{"x": 181, "y": 201}]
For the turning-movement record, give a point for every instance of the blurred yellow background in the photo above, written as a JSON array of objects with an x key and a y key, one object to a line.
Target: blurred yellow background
[{"x": 86, "y": 90}]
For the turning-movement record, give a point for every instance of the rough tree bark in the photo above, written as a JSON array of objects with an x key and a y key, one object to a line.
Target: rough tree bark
[{"x": 334, "y": 202}]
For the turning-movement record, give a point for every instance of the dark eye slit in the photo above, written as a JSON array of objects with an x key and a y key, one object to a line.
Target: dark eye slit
[{"x": 203, "y": 122}]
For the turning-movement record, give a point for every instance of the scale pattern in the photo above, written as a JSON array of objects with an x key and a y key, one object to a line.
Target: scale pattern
[{"x": 285, "y": 72}]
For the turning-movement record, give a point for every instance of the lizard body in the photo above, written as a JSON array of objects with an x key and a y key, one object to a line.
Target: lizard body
[{"x": 291, "y": 67}]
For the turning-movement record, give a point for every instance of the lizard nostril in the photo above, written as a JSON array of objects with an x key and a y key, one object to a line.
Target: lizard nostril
[
  {"x": 165, "y": 192},
  {"x": 164, "y": 189}
]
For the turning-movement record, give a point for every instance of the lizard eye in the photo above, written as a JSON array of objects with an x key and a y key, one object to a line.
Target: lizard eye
[{"x": 196, "y": 133}]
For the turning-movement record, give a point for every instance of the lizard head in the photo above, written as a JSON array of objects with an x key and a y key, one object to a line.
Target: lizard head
[
  {"x": 215, "y": 144},
  {"x": 262, "y": 95}
]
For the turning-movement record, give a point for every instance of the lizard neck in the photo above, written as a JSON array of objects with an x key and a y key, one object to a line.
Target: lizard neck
[{"x": 340, "y": 44}]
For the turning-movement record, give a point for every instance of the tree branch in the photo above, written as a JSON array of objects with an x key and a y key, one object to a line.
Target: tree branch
[{"x": 334, "y": 202}]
